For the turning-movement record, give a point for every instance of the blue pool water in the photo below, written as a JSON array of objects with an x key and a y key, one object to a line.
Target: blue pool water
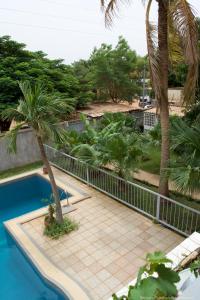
[{"x": 18, "y": 278}]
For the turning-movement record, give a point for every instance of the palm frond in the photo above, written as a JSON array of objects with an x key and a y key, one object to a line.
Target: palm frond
[
  {"x": 12, "y": 114},
  {"x": 111, "y": 8},
  {"x": 185, "y": 136},
  {"x": 151, "y": 30},
  {"x": 88, "y": 154},
  {"x": 186, "y": 179},
  {"x": 174, "y": 45},
  {"x": 185, "y": 170},
  {"x": 185, "y": 25},
  {"x": 11, "y": 136}
]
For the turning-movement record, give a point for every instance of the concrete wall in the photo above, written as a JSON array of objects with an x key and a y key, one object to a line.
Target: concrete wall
[
  {"x": 27, "y": 151},
  {"x": 77, "y": 125},
  {"x": 27, "y": 148},
  {"x": 175, "y": 95}
]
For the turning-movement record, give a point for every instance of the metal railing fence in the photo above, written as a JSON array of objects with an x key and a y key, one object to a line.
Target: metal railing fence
[{"x": 164, "y": 210}]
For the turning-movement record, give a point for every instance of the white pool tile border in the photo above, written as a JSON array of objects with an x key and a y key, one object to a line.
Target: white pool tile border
[{"x": 189, "y": 245}]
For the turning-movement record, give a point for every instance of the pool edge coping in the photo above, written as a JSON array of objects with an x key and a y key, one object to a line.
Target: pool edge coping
[{"x": 46, "y": 268}]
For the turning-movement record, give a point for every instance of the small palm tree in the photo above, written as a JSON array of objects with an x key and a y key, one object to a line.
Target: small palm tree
[
  {"x": 110, "y": 146},
  {"x": 41, "y": 112},
  {"x": 185, "y": 171}
]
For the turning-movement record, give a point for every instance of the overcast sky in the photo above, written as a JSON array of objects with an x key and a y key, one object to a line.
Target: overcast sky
[{"x": 70, "y": 29}]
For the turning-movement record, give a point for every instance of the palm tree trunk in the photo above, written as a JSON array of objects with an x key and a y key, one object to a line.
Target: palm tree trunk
[
  {"x": 59, "y": 216},
  {"x": 163, "y": 102}
]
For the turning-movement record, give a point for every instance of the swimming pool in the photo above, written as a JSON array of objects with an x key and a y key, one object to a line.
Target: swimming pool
[{"x": 18, "y": 278}]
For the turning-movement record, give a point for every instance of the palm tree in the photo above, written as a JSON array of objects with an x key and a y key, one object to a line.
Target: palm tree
[
  {"x": 177, "y": 23},
  {"x": 185, "y": 171},
  {"x": 41, "y": 112}
]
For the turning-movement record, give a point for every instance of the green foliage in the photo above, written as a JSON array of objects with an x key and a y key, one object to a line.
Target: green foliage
[
  {"x": 55, "y": 230},
  {"x": 193, "y": 115},
  {"x": 177, "y": 75},
  {"x": 127, "y": 121},
  {"x": 151, "y": 159},
  {"x": 154, "y": 135},
  {"x": 195, "y": 267},
  {"x": 152, "y": 147},
  {"x": 113, "y": 72},
  {"x": 114, "y": 144},
  {"x": 155, "y": 281},
  {"x": 185, "y": 170},
  {"x": 84, "y": 91},
  {"x": 19, "y": 64}
]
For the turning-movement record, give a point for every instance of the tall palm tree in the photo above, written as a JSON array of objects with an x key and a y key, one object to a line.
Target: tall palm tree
[
  {"x": 42, "y": 113},
  {"x": 177, "y": 23}
]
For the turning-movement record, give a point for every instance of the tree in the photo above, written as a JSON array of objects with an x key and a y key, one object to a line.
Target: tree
[
  {"x": 177, "y": 21},
  {"x": 113, "y": 71},
  {"x": 41, "y": 112},
  {"x": 85, "y": 92},
  {"x": 19, "y": 64},
  {"x": 198, "y": 83}
]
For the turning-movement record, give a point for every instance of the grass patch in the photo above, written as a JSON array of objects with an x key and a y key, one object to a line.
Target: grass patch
[
  {"x": 56, "y": 230},
  {"x": 19, "y": 170},
  {"x": 151, "y": 163}
]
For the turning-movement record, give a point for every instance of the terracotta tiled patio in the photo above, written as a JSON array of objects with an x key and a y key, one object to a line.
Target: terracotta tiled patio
[{"x": 109, "y": 246}]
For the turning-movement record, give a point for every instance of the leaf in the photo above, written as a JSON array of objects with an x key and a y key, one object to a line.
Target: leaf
[
  {"x": 184, "y": 22},
  {"x": 146, "y": 290},
  {"x": 140, "y": 273},
  {"x": 157, "y": 258},
  {"x": 166, "y": 280},
  {"x": 114, "y": 296},
  {"x": 195, "y": 268}
]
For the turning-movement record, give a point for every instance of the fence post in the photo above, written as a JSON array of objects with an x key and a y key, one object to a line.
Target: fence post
[
  {"x": 87, "y": 175},
  {"x": 158, "y": 208}
]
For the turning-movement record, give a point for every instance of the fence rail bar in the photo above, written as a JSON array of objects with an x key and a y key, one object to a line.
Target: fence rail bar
[{"x": 166, "y": 211}]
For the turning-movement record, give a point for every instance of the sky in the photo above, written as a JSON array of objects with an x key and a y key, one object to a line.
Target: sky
[{"x": 70, "y": 29}]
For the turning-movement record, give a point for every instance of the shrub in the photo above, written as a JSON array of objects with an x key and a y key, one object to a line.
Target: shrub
[{"x": 55, "y": 230}]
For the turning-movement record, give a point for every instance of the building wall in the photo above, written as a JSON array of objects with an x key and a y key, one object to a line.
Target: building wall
[
  {"x": 27, "y": 148},
  {"x": 175, "y": 95},
  {"x": 77, "y": 125},
  {"x": 27, "y": 151}
]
